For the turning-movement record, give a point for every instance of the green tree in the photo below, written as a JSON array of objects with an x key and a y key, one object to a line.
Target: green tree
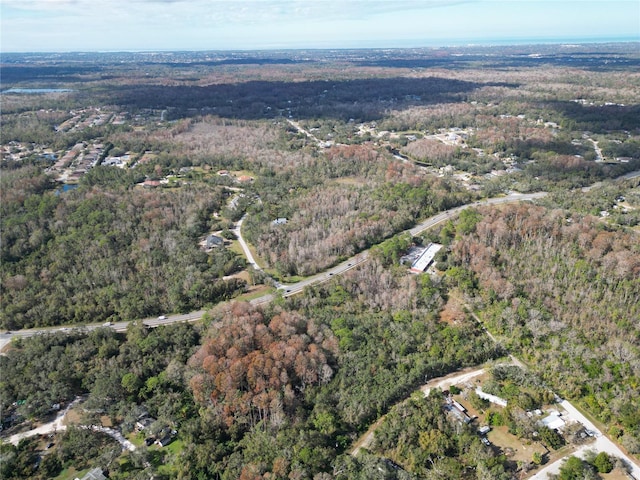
[
  {"x": 551, "y": 438},
  {"x": 573, "y": 469},
  {"x": 602, "y": 462},
  {"x": 467, "y": 221},
  {"x": 537, "y": 458},
  {"x": 131, "y": 383}
]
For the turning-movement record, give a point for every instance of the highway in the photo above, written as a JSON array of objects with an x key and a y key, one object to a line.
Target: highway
[
  {"x": 356, "y": 260},
  {"x": 294, "y": 288},
  {"x": 5, "y": 338},
  {"x": 285, "y": 289}
]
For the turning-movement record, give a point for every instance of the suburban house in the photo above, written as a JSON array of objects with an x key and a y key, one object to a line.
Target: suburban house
[
  {"x": 164, "y": 441},
  {"x": 214, "y": 241},
  {"x": 144, "y": 423},
  {"x": 456, "y": 410},
  {"x": 553, "y": 421}
]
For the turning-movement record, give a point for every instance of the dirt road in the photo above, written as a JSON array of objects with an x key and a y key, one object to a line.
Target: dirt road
[{"x": 440, "y": 382}]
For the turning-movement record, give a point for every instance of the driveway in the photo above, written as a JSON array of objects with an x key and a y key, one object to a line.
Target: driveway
[
  {"x": 440, "y": 382},
  {"x": 54, "y": 426}
]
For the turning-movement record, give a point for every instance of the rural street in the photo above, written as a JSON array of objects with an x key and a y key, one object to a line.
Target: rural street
[
  {"x": 601, "y": 444},
  {"x": 245, "y": 248}
]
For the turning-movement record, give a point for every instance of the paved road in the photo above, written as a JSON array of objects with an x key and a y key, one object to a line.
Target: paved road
[
  {"x": 5, "y": 338},
  {"x": 629, "y": 176},
  {"x": 285, "y": 289},
  {"x": 292, "y": 289}
]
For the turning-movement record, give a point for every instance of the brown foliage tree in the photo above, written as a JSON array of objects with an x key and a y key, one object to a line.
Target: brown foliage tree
[{"x": 251, "y": 368}]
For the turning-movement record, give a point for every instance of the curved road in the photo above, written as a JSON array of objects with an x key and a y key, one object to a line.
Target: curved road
[
  {"x": 292, "y": 289},
  {"x": 602, "y": 443},
  {"x": 442, "y": 383},
  {"x": 421, "y": 227},
  {"x": 285, "y": 290}
]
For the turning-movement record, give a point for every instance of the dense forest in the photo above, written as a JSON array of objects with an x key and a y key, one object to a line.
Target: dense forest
[
  {"x": 365, "y": 199},
  {"x": 544, "y": 278},
  {"x": 110, "y": 187},
  {"x": 308, "y": 374},
  {"x": 100, "y": 253}
]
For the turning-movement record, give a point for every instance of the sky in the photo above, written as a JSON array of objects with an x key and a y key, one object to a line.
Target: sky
[{"x": 152, "y": 25}]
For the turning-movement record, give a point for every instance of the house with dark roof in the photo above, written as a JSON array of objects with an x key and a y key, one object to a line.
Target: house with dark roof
[
  {"x": 214, "y": 241},
  {"x": 164, "y": 441},
  {"x": 144, "y": 423}
]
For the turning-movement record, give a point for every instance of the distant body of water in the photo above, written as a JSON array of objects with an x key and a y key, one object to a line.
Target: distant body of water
[{"x": 27, "y": 91}]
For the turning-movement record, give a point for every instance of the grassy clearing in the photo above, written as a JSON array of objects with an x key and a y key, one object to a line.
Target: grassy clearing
[
  {"x": 515, "y": 448},
  {"x": 175, "y": 447},
  {"x": 255, "y": 292},
  {"x": 351, "y": 181},
  {"x": 136, "y": 438},
  {"x": 616, "y": 474},
  {"x": 518, "y": 449},
  {"x": 71, "y": 473},
  {"x": 235, "y": 247},
  {"x": 74, "y": 416}
]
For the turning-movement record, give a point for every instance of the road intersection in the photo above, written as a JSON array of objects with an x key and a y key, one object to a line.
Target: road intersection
[{"x": 285, "y": 290}]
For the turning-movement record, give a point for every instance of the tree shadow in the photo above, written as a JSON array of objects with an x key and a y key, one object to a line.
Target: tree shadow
[
  {"x": 599, "y": 118},
  {"x": 359, "y": 99}
]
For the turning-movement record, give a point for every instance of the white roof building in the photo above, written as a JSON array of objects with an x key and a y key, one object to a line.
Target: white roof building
[
  {"x": 553, "y": 421},
  {"x": 425, "y": 259}
]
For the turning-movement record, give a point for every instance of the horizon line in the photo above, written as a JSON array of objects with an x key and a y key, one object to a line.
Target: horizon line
[{"x": 460, "y": 44}]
